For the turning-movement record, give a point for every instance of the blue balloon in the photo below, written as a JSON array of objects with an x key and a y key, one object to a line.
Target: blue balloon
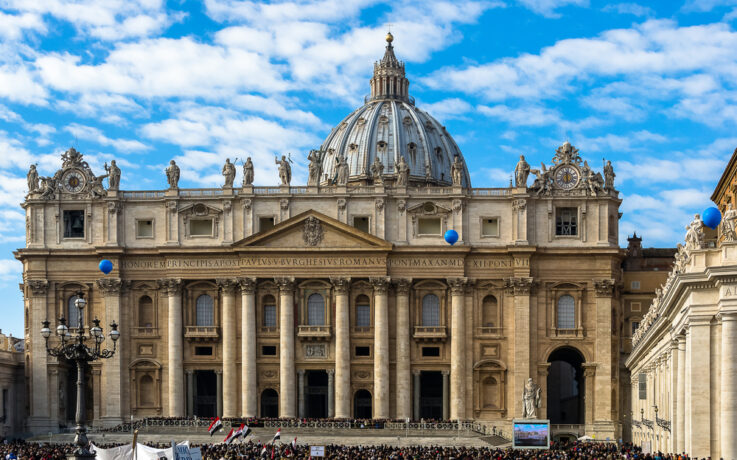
[
  {"x": 711, "y": 217},
  {"x": 106, "y": 266},
  {"x": 451, "y": 236}
]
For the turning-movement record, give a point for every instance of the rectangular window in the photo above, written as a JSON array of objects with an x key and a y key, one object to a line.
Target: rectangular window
[
  {"x": 73, "y": 224},
  {"x": 635, "y": 325},
  {"x": 200, "y": 227},
  {"x": 490, "y": 226},
  {"x": 432, "y": 352},
  {"x": 428, "y": 226},
  {"x": 635, "y": 306},
  {"x": 144, "y": 228},
  {"x": 642, "y": 382},
  {"x": 265, "y": 223},
  {"x": 268, "y": 350},
  {"x": 363, "y": 315},
  {"x": 269, "y": 315},
  {"x": 203, "y": 351},
  {"x": 363, "y": 351},
  {"x": 566, "y": 222},
  {"x": 361, "y": 223},
  {"x": 635, "y": 285}
]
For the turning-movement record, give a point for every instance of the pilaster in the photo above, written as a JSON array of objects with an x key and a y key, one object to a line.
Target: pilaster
[
  {"x": 404, "y": 384},
  {"x": 381, "y": 348},
  {"x": 457, "y": 349},
  {"x": 112, "y": 370},
  {"x": 287, "y": 396},
  {"x": 249, "y": 382},
  {"x": 520, "y": 288},
  {"x": 228, "y": 323},
  {"x": 342, "y": 348},
  {"x": 37, "y": 290},
  {"x": 173, "y": 288}
]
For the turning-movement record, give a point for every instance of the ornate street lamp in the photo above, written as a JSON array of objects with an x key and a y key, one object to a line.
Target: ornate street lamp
[{"x": 73, "y": 348}]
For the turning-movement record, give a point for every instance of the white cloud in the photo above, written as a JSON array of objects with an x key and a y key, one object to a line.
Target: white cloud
[
  {"x": 522, "y": 116},
  {"x": 96, "y": 135},
  {"x": 630, "y": 8},
  {"x": 548, "y": 7},
  {"x": 10, "y": 269},
  {"x": 13, "y": 26},
  {"x": 447, "y": 109},
  {"x": 706, "y": 5}
]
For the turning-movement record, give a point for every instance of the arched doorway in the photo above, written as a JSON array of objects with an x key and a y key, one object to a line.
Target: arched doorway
[
  {"x": 316, "y": 394},
  {"x": 205, "y": 393},
  {"x": 431, "y": 395},
  {"x": 566, "y": 387},
  {"x": 269, "y": 403},
  {"x": 362, "y": 404}
]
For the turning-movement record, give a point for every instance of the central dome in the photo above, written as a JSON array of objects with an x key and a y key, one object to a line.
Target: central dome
[{"x": 389, "y": 126}]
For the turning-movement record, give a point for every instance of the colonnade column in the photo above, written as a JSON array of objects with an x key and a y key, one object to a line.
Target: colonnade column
[
  {"x": 416, "y": 394},
  {"x": 457, "y": 349},
  {"x": 286, "y": 348},
  {"x": 249, "y": 383},
  {"x": 680, "y": 422},
  {"x": 673, "y": 391},
  {"x": 381, "y": 348},
  {"x": 728, "y": 385},
  {"x": 228, "y": 322},
  {"x": 36, "y": 290},
  {"x": 589, "y": 373},
  {"x": 342, "y": 402},
  {"x": 331, "y": 392},
  {"x": 604, "y": 290},
  {"x": 520, "y": 288},
  {"x": 698, "y": 340},
  {"x": 112, "y": 383},
  {"x": 176, "y": 361},
  {"x": 403, "y": 401}
]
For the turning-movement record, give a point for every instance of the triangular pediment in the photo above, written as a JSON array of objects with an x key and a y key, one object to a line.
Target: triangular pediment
[{"x": 312, "y": 230}]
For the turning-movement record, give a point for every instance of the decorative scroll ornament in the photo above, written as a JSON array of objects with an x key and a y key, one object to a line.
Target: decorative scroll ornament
[{"x": 312, "y": 233}]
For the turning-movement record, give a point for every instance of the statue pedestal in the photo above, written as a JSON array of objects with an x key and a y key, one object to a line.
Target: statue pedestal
[
  {"x": 172, "y": 192},
  {"x": 227, "y": 191},
  {"x": 247, "y": 190}
]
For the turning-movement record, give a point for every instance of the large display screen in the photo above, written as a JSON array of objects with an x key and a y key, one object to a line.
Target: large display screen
[{"x": 531, "y": 434}]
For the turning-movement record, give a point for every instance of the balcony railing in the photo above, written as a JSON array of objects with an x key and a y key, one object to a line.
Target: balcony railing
[
  {"x": 362, "y": 330},
  {"x": 145, "y": 331},
  {"x": 489, "y": 330},
  {"x": 313, "y": 332},
  {"x": 269, "y": 330},
  {"x": 430, "y": 333},
  {"x": 575, "y": 332},
  {"x": 201, "y": 333}
]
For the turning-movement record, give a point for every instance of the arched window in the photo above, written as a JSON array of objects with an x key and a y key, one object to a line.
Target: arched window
[
  {"x": 430, "y": 310},
  {"x": 145, "y": 312},
  {"x": 269, "y": 403},
  {"x": 315, "y": 310},
  {"x": 72, "y": 312},
  {"x": 269, "y": 317},
  {"x": 146, "y": 390},
  {"x": 566, "y": 312},
  {"x": 204, "y": 309},
  {"x": 363, "y": 311},
  {"x": 490, "y": 312}
]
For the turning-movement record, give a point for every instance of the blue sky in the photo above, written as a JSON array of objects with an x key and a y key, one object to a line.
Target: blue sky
[{"x": 649, "y": 85}]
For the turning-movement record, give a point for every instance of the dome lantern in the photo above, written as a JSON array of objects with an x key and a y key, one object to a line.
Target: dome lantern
[{"x": 389, "y": 81}]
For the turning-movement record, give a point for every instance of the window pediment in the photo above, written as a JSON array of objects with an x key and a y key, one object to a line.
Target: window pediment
[
  {"x": 428, "y": 208},
  {"x": 200, "y": 210}
]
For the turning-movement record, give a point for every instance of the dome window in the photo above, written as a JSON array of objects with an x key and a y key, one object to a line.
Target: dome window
[
  {"x": 439, "y": 152},
  {"x": 353, "y": 147},
  {"x": 361, "y": 121},
  {"x": 383, "y": 119},
  {"x": 381, "y": 145},
  {"x": 407, "y": 120},
  {"x": 412, "y": 149}
]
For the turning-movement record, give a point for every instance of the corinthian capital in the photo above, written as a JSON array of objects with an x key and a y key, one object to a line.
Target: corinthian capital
[
  {"x": 109, "y": 286},
  {"x": 604, "y": 287},
  {"x": 286, "y": 284},
  {"x": 248, "y": 285},
  {"x": 38, "y": 287},
  {"x": 341, "y": 285},
  {"x": 402, "y": 285},
  {"x": 228, "y": 285},
  {"x": 173, "y": 286},
  {"x": 381, "y": 284},
  {"x": 457, "y": 285},
  {"x": 518, "y": 286}
]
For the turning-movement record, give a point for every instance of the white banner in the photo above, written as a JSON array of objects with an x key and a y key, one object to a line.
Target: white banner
[{"x": 143, "y": 452}]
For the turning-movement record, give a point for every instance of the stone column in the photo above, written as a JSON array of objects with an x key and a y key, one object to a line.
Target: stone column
[
  {"x": 728, "y": 426},
  {"x": 457, "y": 349},
  {"x": 287, "y": 397},
  {"x": 40, "y": 421},
  {"x": 190, "y": 392},
  {"x": 331, "y": 393},
  {"x": 219, "y": 390},
  {"x": 342, "y": 349},
  {"x": 403, "y": 390},
  {"x": 381, "y": 348},
  {"x": 249, "y": 382},
  {"x": 301, "y": 392},
  {"x": 230, "y": 355},
  {"x": 112, "y": 371},
  {"x": 589, "y": 372},
  {"x": 672, "y": 389},
  {"x": 175, "y": 372},
  {"x": 604, "y": 290},
  {"x": 520, "y": 288},
  {"x": 698, "y": 371},
  {"x": 416, "y": 394},
  {"x": 446, "y": 396},
  {"x": 679, "y": 424}
]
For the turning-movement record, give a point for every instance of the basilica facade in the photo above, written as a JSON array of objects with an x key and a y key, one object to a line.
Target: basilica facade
[{"x": 339, "y": 298}]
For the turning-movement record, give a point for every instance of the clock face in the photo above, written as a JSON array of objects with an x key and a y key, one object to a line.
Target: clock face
[
  {"x": 73, "y": 181},
  {"x": 566, "y": 177}
]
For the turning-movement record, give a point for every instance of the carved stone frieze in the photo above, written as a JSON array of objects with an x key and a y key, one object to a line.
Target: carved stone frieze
[
  {"x": 604, "y": 287},
  {"x": 379, "y": 204},
  {"x": 341, "y": 204},
  {"x": 318, "y": 350},
  {"x": 341, "y": 285},
  {"x": 247, "y": 203},
  {"x": 362, "y": 375},
  {"x": 248, "y": 285},
  {"x": 269, "y": 374},
  {"x": 519, "y": 205},
  {"x": 380, "y": 284},
  {"x": 284, "y": 204},
  {"x": 312, "y": 233},
  {"x": 401, "y": 206},
  {"x": 38, "y": 287},
  {"x": 518, "y": 286},
  {"x": 110, "y": 286},
  {"x": 457, "y": 205},
  {"x": 114, "y": 207}
]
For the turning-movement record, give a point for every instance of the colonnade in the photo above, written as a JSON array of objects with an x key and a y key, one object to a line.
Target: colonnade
[{"x": 339, "y": 402}]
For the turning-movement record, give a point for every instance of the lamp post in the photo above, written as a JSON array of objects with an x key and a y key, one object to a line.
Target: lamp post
[{"x": 73, "y": 348}]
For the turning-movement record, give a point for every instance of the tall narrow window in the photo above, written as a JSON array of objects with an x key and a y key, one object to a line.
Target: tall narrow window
[
  {"x": 430, "y": 310},
  {"x": 145, "y": 312},
  {"x": 566, "y": 222},
  {"x": 72, "y": 312},
  {"x": 315, "y": 310},
  {"x": 490, "y": 312},
  {"x": 205, "y": 314},
  {"x": 363, "y": 311},
  {"x": 566, "y": 312},
  {"x": 146, "y": 387},
  {"x": 642, "y": 385},
  {"x": 269, "y": 311}
]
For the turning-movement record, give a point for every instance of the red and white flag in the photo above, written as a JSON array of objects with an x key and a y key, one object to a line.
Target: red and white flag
[
  {"x": 228, "y": 439},
  {"x": 215, "y": 426},
  {"x": 263, "y": 451},
  {"x": 239, "y": 432},
  {"x": 294, "y": 445},
  {"x": 277, "y": 436}
]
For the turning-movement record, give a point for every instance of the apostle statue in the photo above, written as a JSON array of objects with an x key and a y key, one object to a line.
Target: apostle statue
[
  {"x": 609, "y": 175},
  {"x": 228, "y": 173},
  {"x": 728, "y": 224},
  {"x": 313, "y": 175},
  {"x": 530, "y": 399},
  {"x": 402, "y": 172},
  {"x": 172, "y": 175},
  {"x": 285, "y": 171},
  {"x": 521, "y": 172},
  {"x": 341, "y": 170},
  {"x": 456, "y": 171},
  {"x": 695, "y": 234},
  {"x": 32, "y": 178},
  {"x": 248, "y": 172},
  {"x": 377, "y": 170},
  {"x": 113, "y": 175}
]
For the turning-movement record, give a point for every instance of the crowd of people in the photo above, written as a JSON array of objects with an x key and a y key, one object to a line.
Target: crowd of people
[{"x": 22, "y": 450}]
